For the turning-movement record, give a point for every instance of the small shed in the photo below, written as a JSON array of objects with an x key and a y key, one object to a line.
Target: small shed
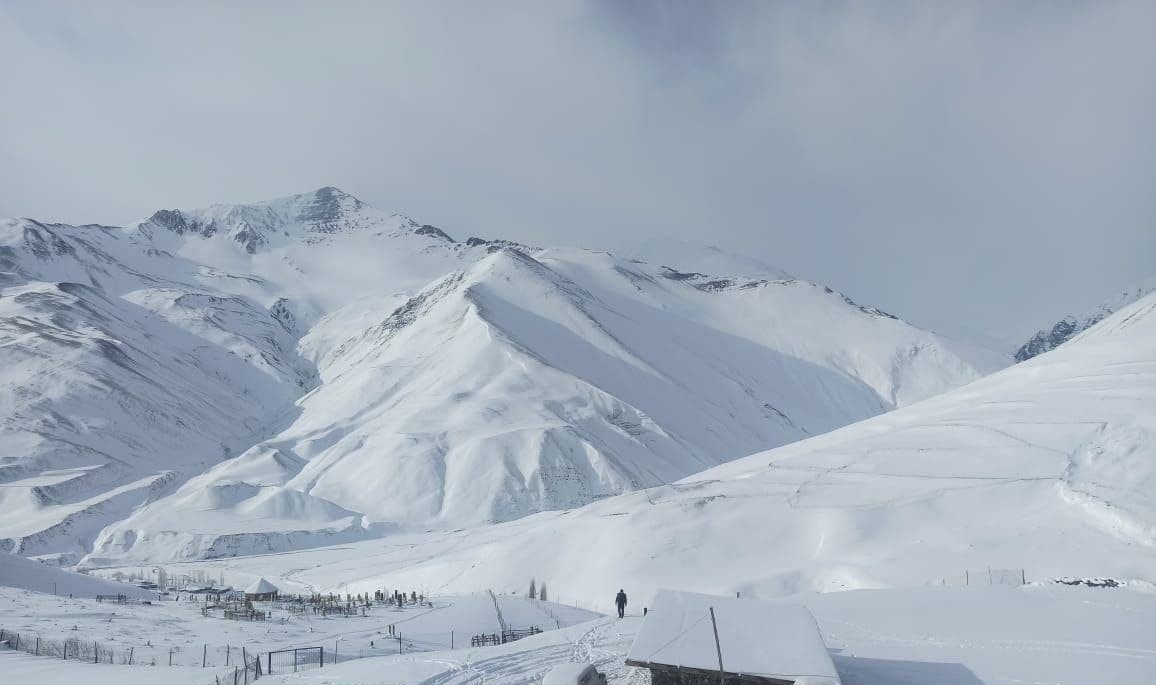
[
  {"x": 761, "y": 642},
  {"x": 261, "y": 591}
]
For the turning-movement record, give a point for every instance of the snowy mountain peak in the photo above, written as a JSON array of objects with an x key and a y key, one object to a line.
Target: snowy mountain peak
[{"x": 307, "y": 216}]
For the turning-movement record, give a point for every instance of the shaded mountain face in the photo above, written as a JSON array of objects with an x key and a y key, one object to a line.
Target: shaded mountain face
[
  {"x": 285, "y": 374},
  {"x": 1070, "y": 326}
]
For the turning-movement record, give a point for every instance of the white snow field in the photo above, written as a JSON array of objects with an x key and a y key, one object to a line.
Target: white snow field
[
  {"x": 175, "y": 632},
  {"x": 940, "y": 636},
  {"x": 311, "y": 371}
]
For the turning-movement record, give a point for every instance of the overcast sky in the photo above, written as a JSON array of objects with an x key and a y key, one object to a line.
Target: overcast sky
[{"x": 984, "y": 165}]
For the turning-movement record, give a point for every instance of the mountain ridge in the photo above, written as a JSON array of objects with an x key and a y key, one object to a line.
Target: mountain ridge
[
  {"x": 1072, "y": 325},
  {"x": 322, "y": 327}
]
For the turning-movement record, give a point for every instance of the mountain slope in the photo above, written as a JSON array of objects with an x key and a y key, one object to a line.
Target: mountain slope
[
  {"x": 531, "y": 383},
  {"x": 1072, "y": 325},
  {"x": 308, "y": 369},
  {"x": 1048, "y": 466}
]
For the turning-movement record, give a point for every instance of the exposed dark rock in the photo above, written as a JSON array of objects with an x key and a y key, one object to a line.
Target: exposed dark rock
[
  {"x": 180, "y": 224},
  {"x": 249, "y": 237},
  {"x": 496, "y": 245},
  {"x": 1064, "y": 330},
  {"x": 325, "y": 210},
  {"x": 435, "y": 232}
]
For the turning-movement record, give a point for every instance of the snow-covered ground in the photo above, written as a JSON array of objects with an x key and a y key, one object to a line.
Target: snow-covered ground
[
  {"x": 1040, "y": 633},
  {"x": 18, "y": 667},
  {"x": 154, "y": 631},
  {"x": 945, "y": 636}
]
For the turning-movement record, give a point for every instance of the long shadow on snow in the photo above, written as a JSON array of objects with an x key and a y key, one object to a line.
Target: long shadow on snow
[{"x": 855, "y": 670}]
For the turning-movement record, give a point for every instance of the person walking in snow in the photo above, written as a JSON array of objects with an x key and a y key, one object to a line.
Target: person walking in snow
[{"x": 620, "y": 600}]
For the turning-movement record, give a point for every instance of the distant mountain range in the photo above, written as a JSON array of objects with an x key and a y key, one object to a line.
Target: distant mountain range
[{"x": 310, "y": 370}]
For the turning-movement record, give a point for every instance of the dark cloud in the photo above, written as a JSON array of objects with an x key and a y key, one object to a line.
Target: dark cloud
[{"x": 987, "y": 164}]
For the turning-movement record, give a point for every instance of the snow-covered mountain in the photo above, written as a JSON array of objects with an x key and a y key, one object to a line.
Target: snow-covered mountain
[
  {"x": 1071, "y": 325},
  {"x": 1046, "y": 467},
  {"x": 310, "y": 369}
]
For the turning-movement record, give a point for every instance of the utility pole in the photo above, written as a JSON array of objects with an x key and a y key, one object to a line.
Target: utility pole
[{"x": 714, "y": 626}]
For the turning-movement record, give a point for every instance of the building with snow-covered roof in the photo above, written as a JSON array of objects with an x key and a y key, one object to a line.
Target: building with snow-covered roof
[
  {"x": 261, "y": 591},
  {"x": 761, "y": 642}
]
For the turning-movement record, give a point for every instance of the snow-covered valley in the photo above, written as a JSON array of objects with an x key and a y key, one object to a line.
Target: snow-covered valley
[{"x": 343, "y": 400}]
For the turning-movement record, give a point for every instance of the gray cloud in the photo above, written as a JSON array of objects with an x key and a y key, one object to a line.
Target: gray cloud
[{"x": 987, "y": 164}]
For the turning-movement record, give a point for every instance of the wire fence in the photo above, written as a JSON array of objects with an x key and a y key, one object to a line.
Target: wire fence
[
  {"x": 243, "y": 673},
  {"x": 986, "y": 576},
  {"x": 70, "y": 649}
]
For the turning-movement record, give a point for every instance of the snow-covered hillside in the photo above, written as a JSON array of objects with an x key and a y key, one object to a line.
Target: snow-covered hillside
[
  {"x": 43, "y": 579},
  {"x": 1047, "y": 467},
  {"x": 309, "y": 370},
  {"x": 1072, "y": 325}
]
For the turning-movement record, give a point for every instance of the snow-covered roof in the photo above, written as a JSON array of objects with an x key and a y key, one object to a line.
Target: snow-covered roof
[
  {"x": 776, "y": 640},
  {"x": 260, "y": 587}
]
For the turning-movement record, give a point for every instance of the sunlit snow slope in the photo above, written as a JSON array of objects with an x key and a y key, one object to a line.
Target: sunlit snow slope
[
  {"x": 249, "y": 378},
  {"x": 1048, "y": 467}
]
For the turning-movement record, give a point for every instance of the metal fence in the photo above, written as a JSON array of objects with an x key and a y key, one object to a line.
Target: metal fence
[{"x": 294, "y": 660}]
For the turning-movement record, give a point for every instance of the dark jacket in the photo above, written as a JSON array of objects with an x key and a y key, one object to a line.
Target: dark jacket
[{"x": 620, "y": 599}]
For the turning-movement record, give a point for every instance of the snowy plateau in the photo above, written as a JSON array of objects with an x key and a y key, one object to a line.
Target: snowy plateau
[{"x": 343, "y": 400}]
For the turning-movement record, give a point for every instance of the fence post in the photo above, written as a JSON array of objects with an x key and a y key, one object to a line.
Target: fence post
[
  {"x": 204, "y": 655},
  {"x": 37, "y": 645},
  {"x": 1023, "y": 577},
  {"x": 66, "y": 649},
  {"x": 228, "y": 652},
  {"x": 989, "y": 576},
  {"x": 451, "y": 639},
  {"x": 130, "y": 655},
  {"x": 170, "y": 656},
  {"x": 95, "y": 652}
]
